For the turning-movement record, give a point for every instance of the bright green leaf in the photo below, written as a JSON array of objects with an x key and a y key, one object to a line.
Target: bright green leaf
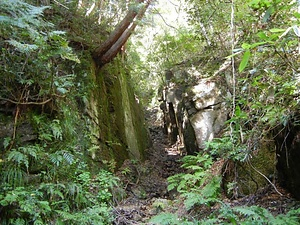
[
  {"x": 246, "y": 46},
  {"x": 277, "y": 30},
  {"x": 244, "y": 61}
]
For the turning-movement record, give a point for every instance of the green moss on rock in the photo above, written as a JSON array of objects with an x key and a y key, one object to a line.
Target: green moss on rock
[{"x": 117, "y": 119}]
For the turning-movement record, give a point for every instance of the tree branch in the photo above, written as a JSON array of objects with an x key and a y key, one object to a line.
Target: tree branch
[
  {"x": 110, "y": 48},
  {"x": 26, "y": 103},
  {"x": 113, "y": 51},
  {"x": 116, "y": 34}
]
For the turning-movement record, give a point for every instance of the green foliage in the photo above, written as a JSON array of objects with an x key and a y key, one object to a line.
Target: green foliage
[
  {"x": 26, "y": 204},
  {"x": 251, "y": 215},
  {"x": 30, "y": 53},
  {"x": 244, "y": 215},
  {"x": 81, "y": 200},
  {"x": 169, "y": 219},
  {"x": 167, "y": 51},
  {"x": 266, "y": 89},
  {"x": 197, "y": 186},
  {"x": 46, "y": 180},
  {"x": 266, "y": 99}
]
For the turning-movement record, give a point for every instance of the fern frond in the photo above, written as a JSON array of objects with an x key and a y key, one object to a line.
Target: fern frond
[
  {"x": 68, "y": 157},
  {"x": 255, "y": 213},
  {"x": 18, "y": 157},
  {"x": 56, "y": 159},
  {"x": 192, "y": 199},
  {"x": 13, "y": 175},
  {"x": 165, "y": 219},
  {"x": 23, "y": 48},
  {"x": 56, "y": 129},
  {"x": 72, "y": 190},
  {"x": 35, "y": 11},
  {"x": 212, "y": 189},
  {"x": 292, "y": 218}
]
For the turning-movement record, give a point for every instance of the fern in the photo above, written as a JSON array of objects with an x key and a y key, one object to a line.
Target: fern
[
  {"x": 69, "y": 158},
  {"x": 56, "y": 129},
  {"x": 165, "y": 219},
  {"x": 292, "y": 218},
  {"x": 17, "y": 221},
  {"x": 17, "y": 162},
  {"x": 72, "y": 190},
  {"x": 255, "y": 213},
  {"x": 96, "y": 214},
  {"x": 14, "y": 176},
  {"x": 248, "y": 215},
  {"x": 53, "y": 191},
  {"x": 18, "y": 157},
  {"x": 21, "y": 14},
  {"x": 56, "y": 158},
  {"x": 212, "y": 188},
  {"x": 24, "y": 48},
  {"x": 206, "y": 195},
  {"x": 192, "y": 199}
]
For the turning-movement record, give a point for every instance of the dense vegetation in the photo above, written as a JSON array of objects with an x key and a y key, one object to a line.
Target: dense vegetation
[
  {"x": 45, "y": 175},
  {"x": 255, "y": 45}
]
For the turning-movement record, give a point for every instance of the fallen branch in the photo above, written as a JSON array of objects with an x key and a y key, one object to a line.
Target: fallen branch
[
  {"x": 26, "y": 103},
  {"x": 250, "y": 164}
]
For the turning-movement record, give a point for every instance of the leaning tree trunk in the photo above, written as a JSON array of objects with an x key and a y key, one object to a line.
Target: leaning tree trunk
[{"x": 110, "y": 48}]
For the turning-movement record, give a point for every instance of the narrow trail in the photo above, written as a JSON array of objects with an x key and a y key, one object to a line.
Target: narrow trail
[{"x": 146, "y": 183}]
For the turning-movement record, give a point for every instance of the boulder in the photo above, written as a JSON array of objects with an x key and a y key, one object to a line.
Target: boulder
[{"x": 193, "y": 113}]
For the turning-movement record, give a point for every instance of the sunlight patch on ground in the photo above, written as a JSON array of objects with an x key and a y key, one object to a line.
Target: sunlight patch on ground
[{"x": 175, "y": 149}]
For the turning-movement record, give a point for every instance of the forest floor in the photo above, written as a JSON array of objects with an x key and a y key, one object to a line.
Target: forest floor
[{"x": 146, "y": 184}]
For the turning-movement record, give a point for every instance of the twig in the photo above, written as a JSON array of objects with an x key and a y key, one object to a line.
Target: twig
[
  {"x": 58, "y": 3},
  {"x": 248, "y": 161},
  {"x": 26, "y": 103},
  {"x": 165, "y": 22},
  {"x": 15, "y": 128}
]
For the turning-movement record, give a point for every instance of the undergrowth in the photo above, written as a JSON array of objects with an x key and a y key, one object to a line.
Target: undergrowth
[
  {"x": 44, "y": 174},
  {"x": 200, "y": 189}
]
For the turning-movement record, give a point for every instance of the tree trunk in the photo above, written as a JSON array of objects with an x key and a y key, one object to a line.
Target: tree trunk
[{"x": 110, "y": 48}]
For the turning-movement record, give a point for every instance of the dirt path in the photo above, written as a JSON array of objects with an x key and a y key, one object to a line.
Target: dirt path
[{"x": 146, "y": 183}]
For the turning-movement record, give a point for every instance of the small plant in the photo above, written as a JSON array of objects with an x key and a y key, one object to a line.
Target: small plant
[
  {"x": 28, "y": 204},
  {"x": 244, "y": 215},
  {"x": 250, "y": 215},
  {"x": 197, "y": 186},
  {"x": 86, "y": 200},
  {"x": 169, "y": 219}
]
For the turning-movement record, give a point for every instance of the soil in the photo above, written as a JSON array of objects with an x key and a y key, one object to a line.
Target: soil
[{"x": 146, "y": 184}]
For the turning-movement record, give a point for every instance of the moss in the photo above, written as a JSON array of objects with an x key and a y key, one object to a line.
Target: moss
[
  {"x": 117, "y": 123},
  {"x": 262, "y": 162},
  {"x": 244, "y": 178}
]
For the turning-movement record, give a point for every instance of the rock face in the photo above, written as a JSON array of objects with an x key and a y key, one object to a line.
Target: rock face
[
  {"x": 117, "y": 121},
  {"x": 106, "y": 120},
  {"x": 208, "y": 99},
  {"x": 193, "y": 115},
  {"x": 196, "y": 112}
]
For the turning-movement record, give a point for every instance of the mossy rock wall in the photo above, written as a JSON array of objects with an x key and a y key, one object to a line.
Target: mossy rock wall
[
  {"x": 118, "y": 126},
  {"x": 100, "y": 120},
  {"x": 244, "y": 178}
]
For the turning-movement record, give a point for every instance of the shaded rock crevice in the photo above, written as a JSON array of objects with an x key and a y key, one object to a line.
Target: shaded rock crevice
[{"x": 288, "y": 155}]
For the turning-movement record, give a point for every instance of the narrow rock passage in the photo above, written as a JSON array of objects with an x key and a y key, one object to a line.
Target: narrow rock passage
[{"x": 146, "y": 183}]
